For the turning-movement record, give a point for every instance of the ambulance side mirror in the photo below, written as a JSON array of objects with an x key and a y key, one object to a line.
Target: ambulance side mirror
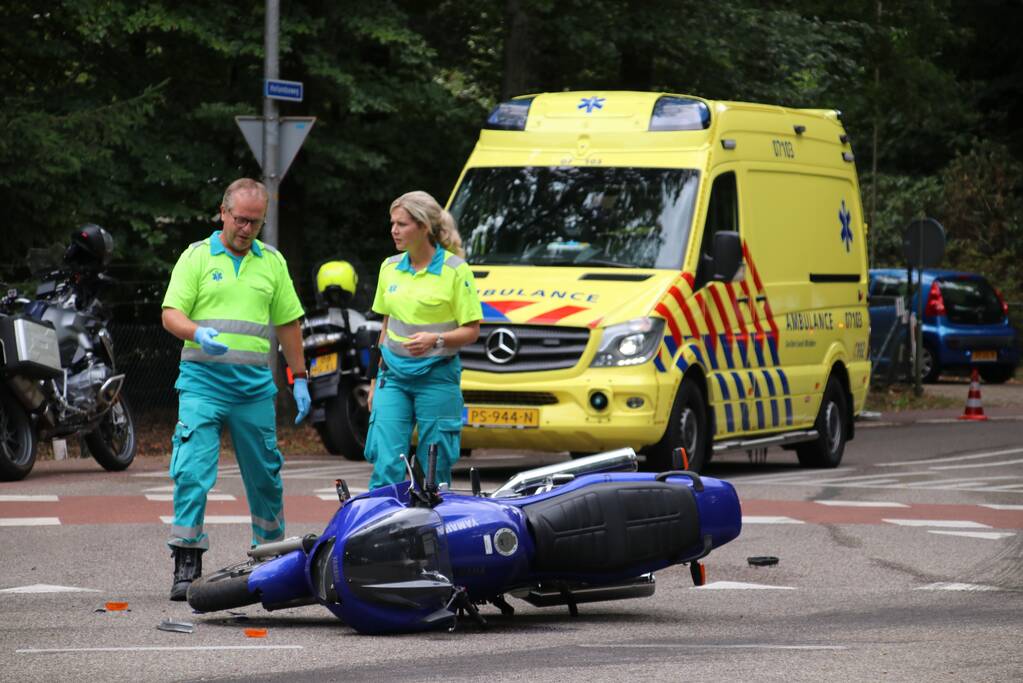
[{"x": 727, "y": 254}]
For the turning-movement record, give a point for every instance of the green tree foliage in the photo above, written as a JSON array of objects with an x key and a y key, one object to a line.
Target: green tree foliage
[{"x": 121, "y": 112}]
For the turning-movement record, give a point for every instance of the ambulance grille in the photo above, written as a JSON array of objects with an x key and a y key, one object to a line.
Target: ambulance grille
[
  {"x": 509, "y": 398},
  {"x": 531, "y": 348}
]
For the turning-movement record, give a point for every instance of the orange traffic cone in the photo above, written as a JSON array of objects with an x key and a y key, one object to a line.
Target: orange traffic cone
[{"x": 974, "y": 410}]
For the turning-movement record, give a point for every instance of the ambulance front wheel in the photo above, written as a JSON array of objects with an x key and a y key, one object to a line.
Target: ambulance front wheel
[
  {"x": 832, "y": 430},
  {"x": 688, "y": 427}
]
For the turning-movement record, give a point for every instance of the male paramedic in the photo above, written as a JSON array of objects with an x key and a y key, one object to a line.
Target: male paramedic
[{"x": 225, "y": 293}]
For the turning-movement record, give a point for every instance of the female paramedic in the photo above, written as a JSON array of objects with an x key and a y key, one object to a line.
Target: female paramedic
[{"x": 428, "y": 297}]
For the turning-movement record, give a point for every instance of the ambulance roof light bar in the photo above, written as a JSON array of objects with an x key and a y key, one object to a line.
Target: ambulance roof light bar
[
  {"x": 510, "y": 115},
  {"x": 679, "y": 113}
]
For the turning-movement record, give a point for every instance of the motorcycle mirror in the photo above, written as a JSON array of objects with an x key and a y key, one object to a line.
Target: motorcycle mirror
[
  {"x": 431, "y": 459},
  {"x": 474, "y": 481}
]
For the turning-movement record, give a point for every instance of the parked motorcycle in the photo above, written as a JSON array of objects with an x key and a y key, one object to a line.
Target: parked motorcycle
[
  {"x": 58, "y": 374},
  {"x": 411, "y": 556},
  {"x": 337, "y": 342}
]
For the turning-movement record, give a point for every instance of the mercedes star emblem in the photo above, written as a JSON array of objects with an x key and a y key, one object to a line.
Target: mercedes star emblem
[{"x": 501, "y": 346}]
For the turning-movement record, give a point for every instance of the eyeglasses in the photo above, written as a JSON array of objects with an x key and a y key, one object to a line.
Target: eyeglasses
[{"x": 242, "y": 221}]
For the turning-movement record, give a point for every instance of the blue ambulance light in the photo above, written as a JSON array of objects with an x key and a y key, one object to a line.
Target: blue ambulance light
[
  {"x": 679, "y": 113},
  {"x": 510, "y": 115}
]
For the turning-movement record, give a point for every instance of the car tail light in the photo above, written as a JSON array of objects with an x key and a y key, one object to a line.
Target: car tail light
[
  {"x": 1001, "y": 300},
  {"x": 935, "y": 304}
]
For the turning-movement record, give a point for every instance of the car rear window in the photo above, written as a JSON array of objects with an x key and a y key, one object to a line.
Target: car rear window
[{"x": 970, "y": 301}]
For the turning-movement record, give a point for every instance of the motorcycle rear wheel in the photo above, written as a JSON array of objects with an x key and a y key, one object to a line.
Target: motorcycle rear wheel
[
  {"x": 112, "y": 443},
  {"x": 17, "y": 440},
  {"x": 224, "y": 589},
  {"x": 346, "y": 424}
]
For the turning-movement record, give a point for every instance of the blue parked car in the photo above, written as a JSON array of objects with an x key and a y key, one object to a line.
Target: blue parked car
[{"x": 965, "y": 322}]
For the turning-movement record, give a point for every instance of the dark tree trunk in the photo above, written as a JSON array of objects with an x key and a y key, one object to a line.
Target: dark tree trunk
[{"x": 515, "y": 80}]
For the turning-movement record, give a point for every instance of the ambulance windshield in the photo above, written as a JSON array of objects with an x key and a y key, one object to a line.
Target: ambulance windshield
[{"x": 576, "y": 216}]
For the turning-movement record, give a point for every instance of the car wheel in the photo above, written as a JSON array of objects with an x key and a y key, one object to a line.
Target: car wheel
[{"x": 929, "y": 368}]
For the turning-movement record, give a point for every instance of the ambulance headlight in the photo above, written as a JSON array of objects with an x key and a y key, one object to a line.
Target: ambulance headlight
[{"x": 629, "y": 343}]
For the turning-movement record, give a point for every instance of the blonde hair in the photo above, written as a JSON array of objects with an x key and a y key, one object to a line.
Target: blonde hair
[{"x": 440, "y": 224}]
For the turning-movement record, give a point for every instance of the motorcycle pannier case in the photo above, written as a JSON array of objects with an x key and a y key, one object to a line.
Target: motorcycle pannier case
[{"x": 29, "y": 347}]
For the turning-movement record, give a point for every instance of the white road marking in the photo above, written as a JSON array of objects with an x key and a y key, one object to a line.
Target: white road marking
[
  {"x": 1000, "y": 463},
  {"x": 25, "y": 498},
  {"x": 949, "y": 523},
  {"x": 861, "y": 504},
  {"x": 214, "y": 519},
  {"x": 738, "y": 585},
  {"x": 953, "y": 458},
  {"x": 698, "y": 646},
  {"x": 767, "y": 519},
  {"x": 197, "y": 648},
  {"x": 1008, "y": 487},
  {"x": 47, "y": 588},
  {"x": 985, "y": 535},
  {"x": 801, "y": 475},
  {"x": 170, "y": 496},
  {"x": 995, "y": 506},
  {"x": 161, "y": 489},
  {"x": 29, "y": 521},
  {"x": 952, "y": 586}
]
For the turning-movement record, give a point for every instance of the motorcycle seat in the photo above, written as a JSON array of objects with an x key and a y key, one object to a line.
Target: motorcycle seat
[{"x": 610, "y": 526}]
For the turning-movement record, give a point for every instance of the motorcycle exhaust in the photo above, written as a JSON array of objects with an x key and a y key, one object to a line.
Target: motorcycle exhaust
[
  {"x": 620, "y": 460},
  {"x": 263, "y": 550},
  {"x": 552, "y": 595},
  {"x": 110, "y": 390}
]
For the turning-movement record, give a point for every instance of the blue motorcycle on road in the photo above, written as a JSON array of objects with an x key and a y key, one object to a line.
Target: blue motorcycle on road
[{"x": 414, "y": 556}]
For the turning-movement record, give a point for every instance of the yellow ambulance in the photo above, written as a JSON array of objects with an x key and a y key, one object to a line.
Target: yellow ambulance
[{"x": 663, "y": 271}]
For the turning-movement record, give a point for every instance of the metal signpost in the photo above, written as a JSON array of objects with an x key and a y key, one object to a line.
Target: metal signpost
[
  {"x": 274, "y": 141},
  {"x": 923, "y": 246}
]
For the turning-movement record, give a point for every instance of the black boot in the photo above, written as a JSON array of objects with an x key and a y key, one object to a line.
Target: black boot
[{"x": 187, "y": 568}]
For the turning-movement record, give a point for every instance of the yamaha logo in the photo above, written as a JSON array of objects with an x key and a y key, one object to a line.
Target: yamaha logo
[{"x": 501, "y": 346}]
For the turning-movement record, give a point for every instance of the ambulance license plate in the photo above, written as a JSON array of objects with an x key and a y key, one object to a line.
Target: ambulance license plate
[
  {"x": 985, "y": 355},
  {"x": 323, "y": 365},
  {"x": 508, "y": 418}
]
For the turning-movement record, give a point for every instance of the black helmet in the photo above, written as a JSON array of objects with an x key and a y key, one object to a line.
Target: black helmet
[{"x": 91, "y": 247}]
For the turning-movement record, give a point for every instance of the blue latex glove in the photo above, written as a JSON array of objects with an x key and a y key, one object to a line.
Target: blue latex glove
[
  {"x": 204, "y": 337},
  {"x": 302, "y": 399}
]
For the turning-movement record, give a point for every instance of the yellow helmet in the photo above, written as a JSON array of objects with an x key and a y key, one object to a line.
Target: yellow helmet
[{"x": 336, "y": 280}]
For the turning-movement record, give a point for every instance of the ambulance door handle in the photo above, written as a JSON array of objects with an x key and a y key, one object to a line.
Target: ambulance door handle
[{"x": 742, "y": 299}]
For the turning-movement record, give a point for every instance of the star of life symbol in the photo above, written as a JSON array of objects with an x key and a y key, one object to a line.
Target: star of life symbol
[
  {"x": 591, "y": 103},
  {"x": 217, "y": 276},
  {"x": 844, "y": 217}
]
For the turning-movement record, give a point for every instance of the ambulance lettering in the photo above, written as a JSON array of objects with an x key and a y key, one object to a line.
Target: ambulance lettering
[{"x": 809, "y": 321}]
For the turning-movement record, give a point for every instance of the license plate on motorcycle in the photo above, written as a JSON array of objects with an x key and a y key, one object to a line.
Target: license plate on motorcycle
[
  {"x": 508, "y": 418},
  {"x": 985, "y": 355},
  {"x": 323, "y": 365}
]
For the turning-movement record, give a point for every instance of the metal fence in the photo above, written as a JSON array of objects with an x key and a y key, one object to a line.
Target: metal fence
[{"x": 148, "y": 356}]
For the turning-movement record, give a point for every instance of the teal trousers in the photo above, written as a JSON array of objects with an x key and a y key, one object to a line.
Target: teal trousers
[
  {"x": 193, "y": 466},
  {"x": 433, "y": 402}
]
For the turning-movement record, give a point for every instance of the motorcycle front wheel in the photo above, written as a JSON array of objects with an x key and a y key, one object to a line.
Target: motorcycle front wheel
[
  {"x": 112, "y": 443},
  {"x": 224, "y": 589},
  {"x": 17, "y": 440},
  {"x": 347, "y": 422}
]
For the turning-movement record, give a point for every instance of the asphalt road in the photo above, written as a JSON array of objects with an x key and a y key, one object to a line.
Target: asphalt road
[{"x": 906, "y": 563}]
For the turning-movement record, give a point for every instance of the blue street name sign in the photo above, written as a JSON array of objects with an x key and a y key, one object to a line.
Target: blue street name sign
[{"x": 290, "y": 91}]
